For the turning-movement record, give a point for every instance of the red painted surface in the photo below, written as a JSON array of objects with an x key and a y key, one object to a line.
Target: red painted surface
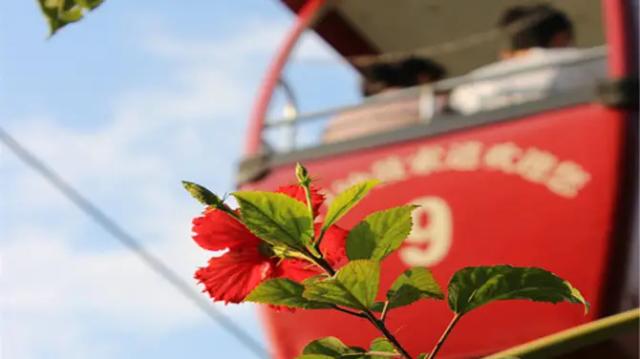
[
  {"x": 497, "y": 217},
  {"x": 305, "y": 16},
  {"x": 619, "y": 33},
  {"x": 338, "y": 32}
]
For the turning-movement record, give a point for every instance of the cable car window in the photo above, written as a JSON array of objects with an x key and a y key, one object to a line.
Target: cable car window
[{"x": 441, "y": 59}]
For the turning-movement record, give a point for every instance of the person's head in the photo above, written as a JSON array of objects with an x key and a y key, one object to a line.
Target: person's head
[
  {"x": 380, "y": 77},
  {"x": 536, "y": 26},
  {"x": 419, "y": 71},
  {"x": 377, "y": 78}
]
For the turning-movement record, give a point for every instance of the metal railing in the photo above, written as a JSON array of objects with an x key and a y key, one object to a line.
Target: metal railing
[{"x": 426, "y": 97}]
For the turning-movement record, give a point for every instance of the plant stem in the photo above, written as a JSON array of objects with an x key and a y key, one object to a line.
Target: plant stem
[
  {"x": 319, "y": 240},
  {"x": 444, "y": 336},
  {"x": 324, "y": 265},
  {"x": 351, "y": 312},
  {"x": 379, "y": 324},
  {"x": 383, "y": 315},
  {"x": 223, "y": 207},
  {"x": 387, "y": 334},
  {"x": 307, "y": 194}
]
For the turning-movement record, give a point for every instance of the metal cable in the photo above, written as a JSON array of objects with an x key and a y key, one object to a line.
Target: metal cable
[{"x": 120, "y": 234}]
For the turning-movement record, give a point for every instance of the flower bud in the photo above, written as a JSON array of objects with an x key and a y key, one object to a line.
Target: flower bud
[
  {"x": 202, "y": 194},
  {"x": 302, "y": 175}
]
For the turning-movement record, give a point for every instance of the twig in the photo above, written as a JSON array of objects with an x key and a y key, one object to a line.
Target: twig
[
  {"x": 319, "y": 240},
  {"x": 380, "y": 326},
  {"x": 387, "y": 334},
  {"x": 383, "y": 315},
  {"x": 367, "y": 314},
  {"x": 320, "y": 262},
  {"x": 307, "y": 195},
  {"x": 351, "y": 312},
  {"x": 444, "y": 336}
]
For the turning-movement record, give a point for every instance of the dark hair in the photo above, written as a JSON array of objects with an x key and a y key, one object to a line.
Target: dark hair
[
  {"x": 377, "y": 77},
  {"x": 534, "y": 26},
  {"x": 409, "y": 71},
  {"x": 380, "y": 76}
]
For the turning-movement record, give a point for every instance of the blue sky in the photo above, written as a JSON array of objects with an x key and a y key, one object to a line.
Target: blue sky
[{"x": 124, "y": 105}]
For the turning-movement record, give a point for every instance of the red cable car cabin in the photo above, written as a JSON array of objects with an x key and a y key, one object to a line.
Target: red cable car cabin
[{"x": 549, "y": 182}]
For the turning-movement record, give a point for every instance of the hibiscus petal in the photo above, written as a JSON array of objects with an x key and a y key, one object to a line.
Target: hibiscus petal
[
  {"x": 295, "y": 269},
  {"x": 333, "y": 246},
  {"x": 217, "y": 230},
  {"x": 231, "y": 277},
  {"x": 297, "y": 192}
]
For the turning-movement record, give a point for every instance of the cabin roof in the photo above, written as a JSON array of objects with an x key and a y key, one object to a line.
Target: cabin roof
[{"x": 448, "y": 31}]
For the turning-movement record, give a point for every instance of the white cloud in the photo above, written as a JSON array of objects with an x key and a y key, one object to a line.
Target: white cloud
[
  {"x": 57, "y": 266},
  {"x": 50, "y": 294},
  {"x": 113, "y": 284},
  {"x": 259, "y": 37}
]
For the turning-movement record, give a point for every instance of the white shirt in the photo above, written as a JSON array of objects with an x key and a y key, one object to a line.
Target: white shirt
[
  {"x": 551, "y": 71},
  {"x": 392, "y": 112}
]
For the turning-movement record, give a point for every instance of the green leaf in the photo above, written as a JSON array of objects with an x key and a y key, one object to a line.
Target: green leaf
[
  {"x": 354, "y": 286},
  {"x": 381, "y": 345},
  {"x": 423, "y": 355},
  {"x": 347, "y": 200},
  {"x": 59, "y": 13},
  {"x": 380, "y": 233},
  {"x": 276, "y": 218},
  {"x": 329, "y": 347},
  {"x": 71, "y": 15},
  {"x": 89, "y": 4},
  {"x": 473, "y": 287},
  {"x": 283, "y": 292},
  {"x": 414, "y": 284},
  {"x": 202, "y": 194}
]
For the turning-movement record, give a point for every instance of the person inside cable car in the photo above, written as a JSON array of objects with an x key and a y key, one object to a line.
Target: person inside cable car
[
  {"x": 377, "y": 78},
  {"x": 415, "y": 71},
  {"x": 540, "y": 60},
  {"x": 387, "y": 105}
]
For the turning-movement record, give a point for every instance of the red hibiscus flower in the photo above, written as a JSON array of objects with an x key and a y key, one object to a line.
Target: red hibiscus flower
[
  {"x": 248, "y": 261},
  {"x": 333, "y": 249},
  {"x": 298, "y": 193}
]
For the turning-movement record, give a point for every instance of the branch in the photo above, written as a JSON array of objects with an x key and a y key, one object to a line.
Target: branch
[
  {"x": 351, "y": 312},
  {"x": 366, "y": 313},
  {"x": 385, "y": 309},
  {"x": 387, "y": 334},
  {"x": 444, "y": 336}
]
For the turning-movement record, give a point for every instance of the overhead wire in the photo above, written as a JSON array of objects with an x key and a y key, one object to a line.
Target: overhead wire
[{"x": 119, "y": 233}]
